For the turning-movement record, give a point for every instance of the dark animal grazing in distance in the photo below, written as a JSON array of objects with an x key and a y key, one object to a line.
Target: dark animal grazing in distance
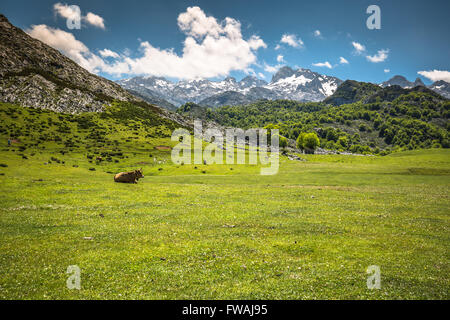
[{"x": 129, "y": 177}]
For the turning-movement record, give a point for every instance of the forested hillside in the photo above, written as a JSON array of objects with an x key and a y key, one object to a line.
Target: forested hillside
[{"x": 378, "y": 120}]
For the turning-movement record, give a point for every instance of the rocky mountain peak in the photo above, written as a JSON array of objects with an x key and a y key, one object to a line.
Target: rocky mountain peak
[
  {"x": 418, "y": 82},
  {"x": 252, "y": 81},
  {"x": 230, "y": 79},
  {"x": 283, "y": 72},
  {"x": 443, "y": 88},
  {"x": 397, "y": 80}
]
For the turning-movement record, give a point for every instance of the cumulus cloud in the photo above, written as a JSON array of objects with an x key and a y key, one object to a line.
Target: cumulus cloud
[
  {"x": 342, "y": 60},
  {"x": 280, "y": 58},
  {"x": 76, "y": 50},
  {"x": 106, "y": 53},
  {"x": 95, "y": 20},
  {"x": 272, "y": 69},
  {"x": 58, "y": 39},
  {"x": 211, "y": 48},
  {"x": 436, "y": 75},
  {"x": 387, "y": 70},
  {"x": 323, "y": 64},
  {"x": 292, "y": 40},
  {"x": 69, "y": 12},
  {"x": 261, "y": 75},
  {"x": 359, "y": 48},
  {"x": 194, "y": 22},
  {"x": 379, "y": 57}
]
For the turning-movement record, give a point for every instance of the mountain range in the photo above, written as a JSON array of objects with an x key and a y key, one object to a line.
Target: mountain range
[
  {"x": 301, "y": 85},
  {"x": 441, "y": 87}
]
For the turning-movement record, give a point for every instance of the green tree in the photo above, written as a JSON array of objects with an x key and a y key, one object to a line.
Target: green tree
[
  {"x": 308, "y": 141},
  {"x": 283, "y": 142},
  {"x": 300, "y": 140}
]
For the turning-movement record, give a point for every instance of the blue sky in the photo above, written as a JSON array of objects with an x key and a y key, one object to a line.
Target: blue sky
[{"x": 148, "y": 37}]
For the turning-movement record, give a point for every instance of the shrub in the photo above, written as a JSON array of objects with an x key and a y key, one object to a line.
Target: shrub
[
  {"x": 343, "y": 142},
  {"x": 283, "y": 142},
  {"x": 308, "y": 141}
]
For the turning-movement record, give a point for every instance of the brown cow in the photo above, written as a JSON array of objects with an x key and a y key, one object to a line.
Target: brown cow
[{"x": 129, "y": 177}]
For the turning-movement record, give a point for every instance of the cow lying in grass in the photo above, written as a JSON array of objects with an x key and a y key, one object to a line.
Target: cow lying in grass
[{"x": 129, "y": 177}]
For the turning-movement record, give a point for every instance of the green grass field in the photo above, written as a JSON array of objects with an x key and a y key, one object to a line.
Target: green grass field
[{"x": 209, "y": 232}]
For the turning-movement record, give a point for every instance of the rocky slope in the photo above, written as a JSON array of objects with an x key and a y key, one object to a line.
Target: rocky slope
[
  {"x": 441, "y": 87},
  {"x": 35, "y": 75}
]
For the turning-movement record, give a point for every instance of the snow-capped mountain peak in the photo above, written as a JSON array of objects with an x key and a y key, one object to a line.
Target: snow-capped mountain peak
[{"x": 303, "y": 84}]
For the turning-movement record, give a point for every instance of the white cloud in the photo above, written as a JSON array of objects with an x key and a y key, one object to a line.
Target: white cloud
[
  {"x": 95, "y": 20},
  {"x": 323, "y": 64},
  {"x": 280, "y": 58},
  {"x": 277, "y": 47},
  {"x": 436, "y": 75},
  {"x": 342, "y": 60},
  {"x": 127, "y": 52},
  {"x": 261, "y": 75},
  {"x": 272, "y": 69},
  {"x": 379, "y": 57},
  {"x": 66, "y": 11},
  {"x": 250, "y": 71},
  {"x": 210, "y": 49},
  {"x": 318, "y": 34},
  {"x": 292, "y": 40},
  {"x": 106, "y": 53},
  {"x": 58, "y": 39},
  {"x": 76, "y": 50},
  {"x": 387, "y": 70},
  {"x": 359, "y": 48}
]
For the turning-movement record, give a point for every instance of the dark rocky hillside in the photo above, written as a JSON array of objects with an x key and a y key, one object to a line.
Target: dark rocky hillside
[{"x": 33, "y": 74}]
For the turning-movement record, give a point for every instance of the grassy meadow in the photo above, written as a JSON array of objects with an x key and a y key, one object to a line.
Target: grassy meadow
[{"x": 214, "y": 231}]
